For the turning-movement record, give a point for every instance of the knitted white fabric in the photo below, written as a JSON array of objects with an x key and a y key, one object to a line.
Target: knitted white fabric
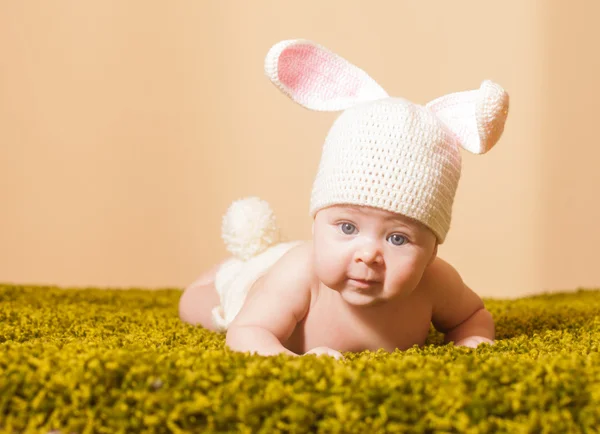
[
  {"x": 235, "y": 278},
  {"x": 386, "y": 152},
  {"x": 392, "y": 155},
  {"x": 311, "y": 75},
  {"x": 249, "y": 227}
]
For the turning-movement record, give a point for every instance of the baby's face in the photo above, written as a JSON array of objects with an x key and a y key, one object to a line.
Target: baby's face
[{"x": 369, "y": 255}]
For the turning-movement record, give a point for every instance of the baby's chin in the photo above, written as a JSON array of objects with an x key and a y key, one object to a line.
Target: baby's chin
[
  {"x": 365, "y": 297},
  {"x": 360, "y": 297}
]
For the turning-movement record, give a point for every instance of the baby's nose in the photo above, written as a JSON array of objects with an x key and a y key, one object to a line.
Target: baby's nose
[{"x": 368, "y": 253}]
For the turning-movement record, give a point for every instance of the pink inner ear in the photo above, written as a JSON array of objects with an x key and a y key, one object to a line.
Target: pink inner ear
[{"x": 309, "y": 71}]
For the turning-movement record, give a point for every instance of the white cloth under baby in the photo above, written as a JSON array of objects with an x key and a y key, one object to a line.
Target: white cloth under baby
[{"x": 235, "y": 277}]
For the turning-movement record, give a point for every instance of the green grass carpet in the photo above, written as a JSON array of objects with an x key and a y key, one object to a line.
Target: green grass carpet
[{"x": 116, "y": 361}]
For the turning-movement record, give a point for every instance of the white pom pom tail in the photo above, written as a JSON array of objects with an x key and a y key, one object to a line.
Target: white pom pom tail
[{"x": 249, "y": 228}]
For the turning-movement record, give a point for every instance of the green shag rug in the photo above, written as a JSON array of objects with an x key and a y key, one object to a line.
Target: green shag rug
[{"x": 120, "y": 361}]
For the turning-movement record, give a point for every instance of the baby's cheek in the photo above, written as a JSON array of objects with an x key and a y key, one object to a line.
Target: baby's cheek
[
  {"x": 404, "y": 278},
  {"x": 328, "y": 270},
  {"x": 323, "y": 270}
]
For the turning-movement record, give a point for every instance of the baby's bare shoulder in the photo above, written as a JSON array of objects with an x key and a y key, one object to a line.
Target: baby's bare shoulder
[
  {"x": 292, "y": 265},
  {"x": 451, "y": 299},
  {"x": 295, "y": 265},
  {"x": 437, "y": 269},
  {"x": 440, "y": 278},
  {"x": 281, "y": 297},
  {"x": 290, "y": 273}
]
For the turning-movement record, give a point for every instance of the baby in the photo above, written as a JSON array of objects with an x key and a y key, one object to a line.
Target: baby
[{"x": 370, "y": 278}]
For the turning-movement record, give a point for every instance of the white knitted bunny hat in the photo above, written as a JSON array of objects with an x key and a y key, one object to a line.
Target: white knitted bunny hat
[{"x": 386, "y": 152}]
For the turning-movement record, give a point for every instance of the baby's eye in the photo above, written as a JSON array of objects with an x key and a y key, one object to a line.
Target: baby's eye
[
  {"x": 397, "y": 239},
  {"x": 347, "y": 228}
]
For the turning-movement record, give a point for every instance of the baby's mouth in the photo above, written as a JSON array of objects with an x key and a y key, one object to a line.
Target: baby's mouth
[{"x": 361, "y": 283}]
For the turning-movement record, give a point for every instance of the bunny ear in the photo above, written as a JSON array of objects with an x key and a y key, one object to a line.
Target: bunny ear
[
  {"x": 317, "y": 78},
  {"x": 477, "y": 117}
]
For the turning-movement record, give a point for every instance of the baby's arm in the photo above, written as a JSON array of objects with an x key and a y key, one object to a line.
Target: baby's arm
[
  {"x": 458, "y": 312},
  {"x": 270, "y": 314}
]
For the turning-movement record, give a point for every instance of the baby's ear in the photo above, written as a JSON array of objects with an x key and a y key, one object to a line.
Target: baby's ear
[
  {"x": 317, "y": 78},
  {"x": 476, "y": 117},
  {"x": 433, "y": 254}
]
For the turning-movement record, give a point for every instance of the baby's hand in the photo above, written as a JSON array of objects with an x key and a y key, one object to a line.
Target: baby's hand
[
  {"x": 325, "y": 351},
  {"x": 473, "y": 341}
]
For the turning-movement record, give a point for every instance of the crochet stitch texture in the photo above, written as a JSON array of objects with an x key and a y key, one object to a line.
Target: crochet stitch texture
[
  {"x": 392, "y": 155},
  {"x": 382, "y": 151}
]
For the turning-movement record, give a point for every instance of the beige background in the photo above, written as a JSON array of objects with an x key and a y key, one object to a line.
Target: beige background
[{"x": 127, "y": 128}]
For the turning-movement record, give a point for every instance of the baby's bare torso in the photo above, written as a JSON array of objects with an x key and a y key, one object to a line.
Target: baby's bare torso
[{"x": 329, "y": 322}]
